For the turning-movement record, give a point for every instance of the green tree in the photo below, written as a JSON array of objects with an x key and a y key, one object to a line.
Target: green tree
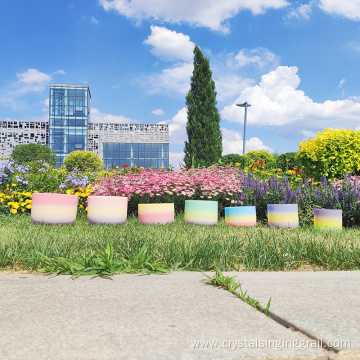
[
  {"x": 84, "y": 161},
  {"x": 30, "y": 153},
  {"x": 204, "y": 145}
]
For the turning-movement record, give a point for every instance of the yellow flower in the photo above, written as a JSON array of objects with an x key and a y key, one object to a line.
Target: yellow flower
[
  {"x": 13, "y": 185},
  {"x": 237, "y": 164},
  {"x": 141, "y": 167},
  {"x": 81, "y": 207},
  {"x": 22, "y": 210},
  {"x": 28, "y": 206},
  {"x": 13, "y": 211},
  {"x": 69, "y": 191}
]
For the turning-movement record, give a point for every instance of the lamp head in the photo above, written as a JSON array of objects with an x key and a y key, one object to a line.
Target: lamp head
[{"x": 244, "y": 104}]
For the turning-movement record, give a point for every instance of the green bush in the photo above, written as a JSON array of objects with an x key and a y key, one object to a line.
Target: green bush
[
  {"x": 254, "y": 156},
  {"x": 332, "y": 153},
  {"x": 287, "y": 161},
  {"x": 232, "y": 158},
  {"x": 30, "y": 153},
  {"x": 83, "y": 161}
]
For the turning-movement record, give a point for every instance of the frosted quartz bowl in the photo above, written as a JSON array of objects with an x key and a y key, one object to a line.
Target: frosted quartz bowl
[
  {"x": 240, "y": 216},
  {"x": 201, "y": 212},
  {"x": 156, "y": 213},
  {"x": 283, "y": 215},
  {"x": 53, "y": 209},
  {"x": 327, "y": 219},
  {"x": 107, "y": 209}
]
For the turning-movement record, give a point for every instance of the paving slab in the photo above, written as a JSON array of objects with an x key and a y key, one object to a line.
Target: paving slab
[
  {"x": 323, "y": 304},
  {"x": 172, "y": 316}
]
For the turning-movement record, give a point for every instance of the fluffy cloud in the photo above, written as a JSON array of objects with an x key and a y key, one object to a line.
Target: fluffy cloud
[
  {"x": 98, "y": 117},
  {"x": 230, "y": 85},
  {"x": 158, "y": 112},
  {"x": 276, "y": 101},
  {"x": 176, "y": 159},
  {"x": 177, "y": 127},
  {"x": 260, "y": 57},
  {"x": 301, "y": 12},
  {"x": 175, "y": 80},
  {"x": 170, "y": 45},
  {"x": 32, "y": 80},
  {"x": 233, "y": 143},
  {"x": 206, "y": 13},
  {"x": 347, "y": 8}
]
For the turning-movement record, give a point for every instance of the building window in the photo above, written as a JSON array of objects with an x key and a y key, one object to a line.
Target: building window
[{"x": 138, "y": 154}]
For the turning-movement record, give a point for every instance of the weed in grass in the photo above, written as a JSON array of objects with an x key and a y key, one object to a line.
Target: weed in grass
[
  {"x": 102, "y": 264},
  {"x": 229, "y": 284}
]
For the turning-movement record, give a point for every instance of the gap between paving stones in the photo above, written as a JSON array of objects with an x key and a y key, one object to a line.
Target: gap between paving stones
[{"x": 330, "y": 351}]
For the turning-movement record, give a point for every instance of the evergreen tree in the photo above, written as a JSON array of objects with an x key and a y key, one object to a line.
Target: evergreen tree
[{"x": 204, "y": 145}]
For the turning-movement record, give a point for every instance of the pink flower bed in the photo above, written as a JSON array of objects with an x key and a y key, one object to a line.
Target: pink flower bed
[{"x": 210, "y": 182}]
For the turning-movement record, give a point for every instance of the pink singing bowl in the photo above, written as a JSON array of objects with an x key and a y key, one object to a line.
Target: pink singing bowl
[
  {"x": 156, "y": 213},
  {"x": 107, "y": 209},
  {"x": 54, "y": 209}
]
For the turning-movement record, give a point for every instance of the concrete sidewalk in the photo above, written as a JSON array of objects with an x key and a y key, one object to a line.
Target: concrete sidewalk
[{"x": 177, "y": 316}]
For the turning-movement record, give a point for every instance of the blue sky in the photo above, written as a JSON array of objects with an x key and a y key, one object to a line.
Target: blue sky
[{"x": 295, "y": 62}]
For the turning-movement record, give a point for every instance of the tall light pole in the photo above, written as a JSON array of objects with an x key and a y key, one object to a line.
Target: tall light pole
[{"x": 245, "y": 105}]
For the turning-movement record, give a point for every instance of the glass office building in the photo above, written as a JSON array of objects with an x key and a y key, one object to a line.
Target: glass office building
[
  {"x": 139, "y": 154},
  {"x": 69, "y": 115},
  {"x": 129, "y": 144}
]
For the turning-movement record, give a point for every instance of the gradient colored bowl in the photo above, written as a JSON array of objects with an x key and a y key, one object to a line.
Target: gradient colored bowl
[
  {"x": 327, "y": 219},
  {"x": 156, "y": 213},
  {"x": 53, "y": 209},
  {"x": 283, "y": 215},
  {"x": 201, "y": 212},
  {"x": 240, "y": 216},
  {"x": 107, "y": 209}
]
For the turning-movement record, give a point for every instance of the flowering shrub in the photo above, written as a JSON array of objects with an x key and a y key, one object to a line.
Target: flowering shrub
[
  {"x": 331, "y": 153},
  {"x": 218, "y": 183},
  {"x": 309, "y": 195},
  {"x": 14, "y": 202}
]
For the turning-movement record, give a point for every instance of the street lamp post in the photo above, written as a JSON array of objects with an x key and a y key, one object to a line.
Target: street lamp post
[{"x": 245, "y": 105}]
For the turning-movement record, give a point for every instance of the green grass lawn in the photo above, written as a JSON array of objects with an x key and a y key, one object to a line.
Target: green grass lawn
[{"x": 133, "y": 247}]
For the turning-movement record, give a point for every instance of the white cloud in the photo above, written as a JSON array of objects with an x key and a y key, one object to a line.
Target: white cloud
[
  {"x": 276, "y": 101},
  {"x": 341, "y": 83},
  {"x": 233, "y": 143},
  {"x": 205, "y": 13},
  {"x": 175, "y": 80},
  {"x": 348, "y": 8},
  {"x": 32, "y": 80},
  {"x": 176, "y": 160},
  {"x": 301, "y": 12},
  {"x": 45, "y": 104},
  {"x": 61, "y": 72},
  {"x": 231, "y": 85},
  {"x": 93, "y": 20},
  {"x": 353, "y": 45},
  {"x": 260, "y": 57},
  {"x": 98, "y": 117},
  {"x": 158, "y": 112},
  {"x": 309, "y": 134},
  {"x": 170, "y": 45},
  {"x": 177, "y": 127}
]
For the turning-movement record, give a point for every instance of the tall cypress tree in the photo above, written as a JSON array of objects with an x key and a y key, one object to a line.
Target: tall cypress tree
[{"x": 204, "y": 145}]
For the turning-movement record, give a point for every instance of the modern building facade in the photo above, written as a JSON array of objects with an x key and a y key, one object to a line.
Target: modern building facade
[
  {"x": 16, "y": 132},
  {"x": 69, "y": 129},
  {"x": 118, "y": 144},
  {"x": 69, "y": 116}
]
